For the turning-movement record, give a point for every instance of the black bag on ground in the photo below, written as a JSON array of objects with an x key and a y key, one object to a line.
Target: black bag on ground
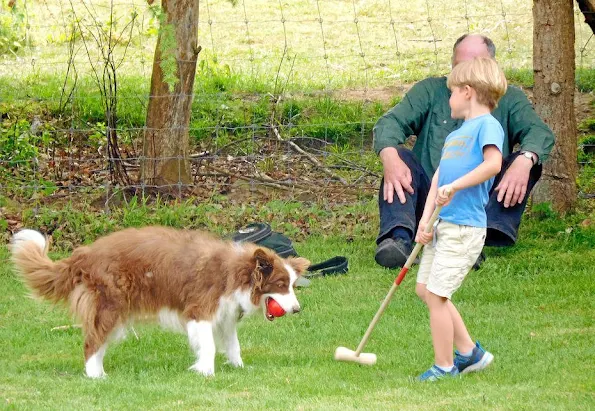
[{"x": 263, "y": 235}]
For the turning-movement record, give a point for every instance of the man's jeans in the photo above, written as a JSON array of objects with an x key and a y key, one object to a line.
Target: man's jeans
[{"x": 503, "y": 223}]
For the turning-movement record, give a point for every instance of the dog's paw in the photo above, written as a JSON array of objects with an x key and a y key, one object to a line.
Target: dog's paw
[
  {"x": 206, "y": 370},
  {"x": 94, "y": 369},
  {"x": 236, "y": 362},
  {"x": 96, "y": 374},
  {"x": 234, "y": 357}
]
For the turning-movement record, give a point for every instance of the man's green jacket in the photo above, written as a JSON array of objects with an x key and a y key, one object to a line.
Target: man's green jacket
[{"x": 425, "y": 113}]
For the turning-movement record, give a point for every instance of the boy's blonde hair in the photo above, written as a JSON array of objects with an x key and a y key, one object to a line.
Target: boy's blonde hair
[{"x": 483, "y": 75}]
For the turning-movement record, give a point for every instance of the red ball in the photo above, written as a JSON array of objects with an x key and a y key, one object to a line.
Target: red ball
[{"x": 274, "y": 308}]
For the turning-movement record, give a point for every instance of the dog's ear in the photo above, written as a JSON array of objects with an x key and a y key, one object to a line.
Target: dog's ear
[
  {"x": 264, "y": 263},
  {"x": 299, "y": 264}
]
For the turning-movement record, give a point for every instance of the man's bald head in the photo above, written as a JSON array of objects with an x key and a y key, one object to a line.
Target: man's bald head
[{"x": 469, "y": 46}]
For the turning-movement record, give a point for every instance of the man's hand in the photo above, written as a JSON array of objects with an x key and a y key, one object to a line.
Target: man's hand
[
  {"x": 397, "y": 176},
  {"x": 513, "y": 186},
  {"x": 421, "y": 236}
]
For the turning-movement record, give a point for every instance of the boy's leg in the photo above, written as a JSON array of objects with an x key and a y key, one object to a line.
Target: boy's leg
[
  {"x": 423, "y": 273},
  {"x": 462, "y": 339},
  {"x": 455, "y": 252},
  {"x": 442, "y": 329},
  {"x": 398, "y": 222},
  {"x": 425, "y": 266}
]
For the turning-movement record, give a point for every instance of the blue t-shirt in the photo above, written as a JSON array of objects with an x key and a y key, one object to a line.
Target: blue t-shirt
[{"x": 463, "y": 152}]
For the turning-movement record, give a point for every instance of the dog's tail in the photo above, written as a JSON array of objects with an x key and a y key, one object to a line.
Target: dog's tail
[{"x": 44, "y": 277}]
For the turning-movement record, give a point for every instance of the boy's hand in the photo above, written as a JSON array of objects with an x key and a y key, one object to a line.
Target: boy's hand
[
  {"x": 421, "y": 236},
  {"x": 445, "y": 194}
]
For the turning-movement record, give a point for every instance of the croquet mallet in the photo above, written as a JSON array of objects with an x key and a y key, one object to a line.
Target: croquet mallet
[{"x": 345, "y": 354}]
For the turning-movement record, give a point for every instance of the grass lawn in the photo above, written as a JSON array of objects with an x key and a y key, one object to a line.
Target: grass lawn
[
  {"x": 531, "y": 305},
  {"x": 309, "y": 44}
]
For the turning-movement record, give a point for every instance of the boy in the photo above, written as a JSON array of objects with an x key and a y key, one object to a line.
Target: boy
[{"x": 471, "y": 157}]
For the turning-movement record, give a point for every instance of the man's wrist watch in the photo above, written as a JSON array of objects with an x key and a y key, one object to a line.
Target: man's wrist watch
[{"x": 529, "y": 155}]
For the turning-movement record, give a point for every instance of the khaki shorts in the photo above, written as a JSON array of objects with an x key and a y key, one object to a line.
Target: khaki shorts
[{"x": 444, "y": 266}]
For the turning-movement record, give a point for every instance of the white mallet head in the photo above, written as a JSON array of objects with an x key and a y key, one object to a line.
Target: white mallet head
[{"x": 345, "y": 354}]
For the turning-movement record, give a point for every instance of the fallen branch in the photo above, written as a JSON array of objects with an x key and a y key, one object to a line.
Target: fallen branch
[
  {"x": 281, "y": 185},
  {"x": 276, "y": 98},
  {"x": 354, "y": 168},
  {"x": 310, "y": 157}
]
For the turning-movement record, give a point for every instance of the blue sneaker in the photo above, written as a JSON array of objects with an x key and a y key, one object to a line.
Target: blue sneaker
[
  {"x": 435, "y": 374},
  {"x": 478, "y": 360}
]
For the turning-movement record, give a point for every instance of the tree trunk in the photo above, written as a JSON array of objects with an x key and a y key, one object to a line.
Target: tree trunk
[
  {"x": 166, "y": 140},
  {"x": 588, "y": 9},
  {"x": 554, "y": 67}
]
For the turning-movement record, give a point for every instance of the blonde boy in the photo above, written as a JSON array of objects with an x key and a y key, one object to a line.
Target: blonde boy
[{"x": 471, "y": 157}]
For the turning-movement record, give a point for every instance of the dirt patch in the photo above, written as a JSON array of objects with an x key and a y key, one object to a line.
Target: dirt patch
[
  {"x": 583, "y": 102},
  {"x": 382, "y": 94}
]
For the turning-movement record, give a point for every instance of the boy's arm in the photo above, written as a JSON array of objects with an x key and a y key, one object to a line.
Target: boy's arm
[
  {"x": 492, "y": 162},
  {"x": 422, "y": 236}
]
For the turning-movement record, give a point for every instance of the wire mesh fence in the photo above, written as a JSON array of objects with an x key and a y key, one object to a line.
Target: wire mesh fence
[{"x": 285, "y": 98}]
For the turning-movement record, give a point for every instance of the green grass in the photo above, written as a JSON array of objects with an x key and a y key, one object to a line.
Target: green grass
[
  {"x": 258, "y": 39},
  {"x": 531, "y": 305},
  {"x": 218, "y": 116}
]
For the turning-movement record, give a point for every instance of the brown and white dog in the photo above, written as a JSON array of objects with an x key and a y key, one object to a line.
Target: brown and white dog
[{"x": 191, "y": 280}]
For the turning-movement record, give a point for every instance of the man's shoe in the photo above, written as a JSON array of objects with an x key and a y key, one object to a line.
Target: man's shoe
[
  {"x": 391, "y": 253},
  {"x": 478, "y": 360},
  {"x": 435, "y": 374},
  {"x": 479, "y": 261}
]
